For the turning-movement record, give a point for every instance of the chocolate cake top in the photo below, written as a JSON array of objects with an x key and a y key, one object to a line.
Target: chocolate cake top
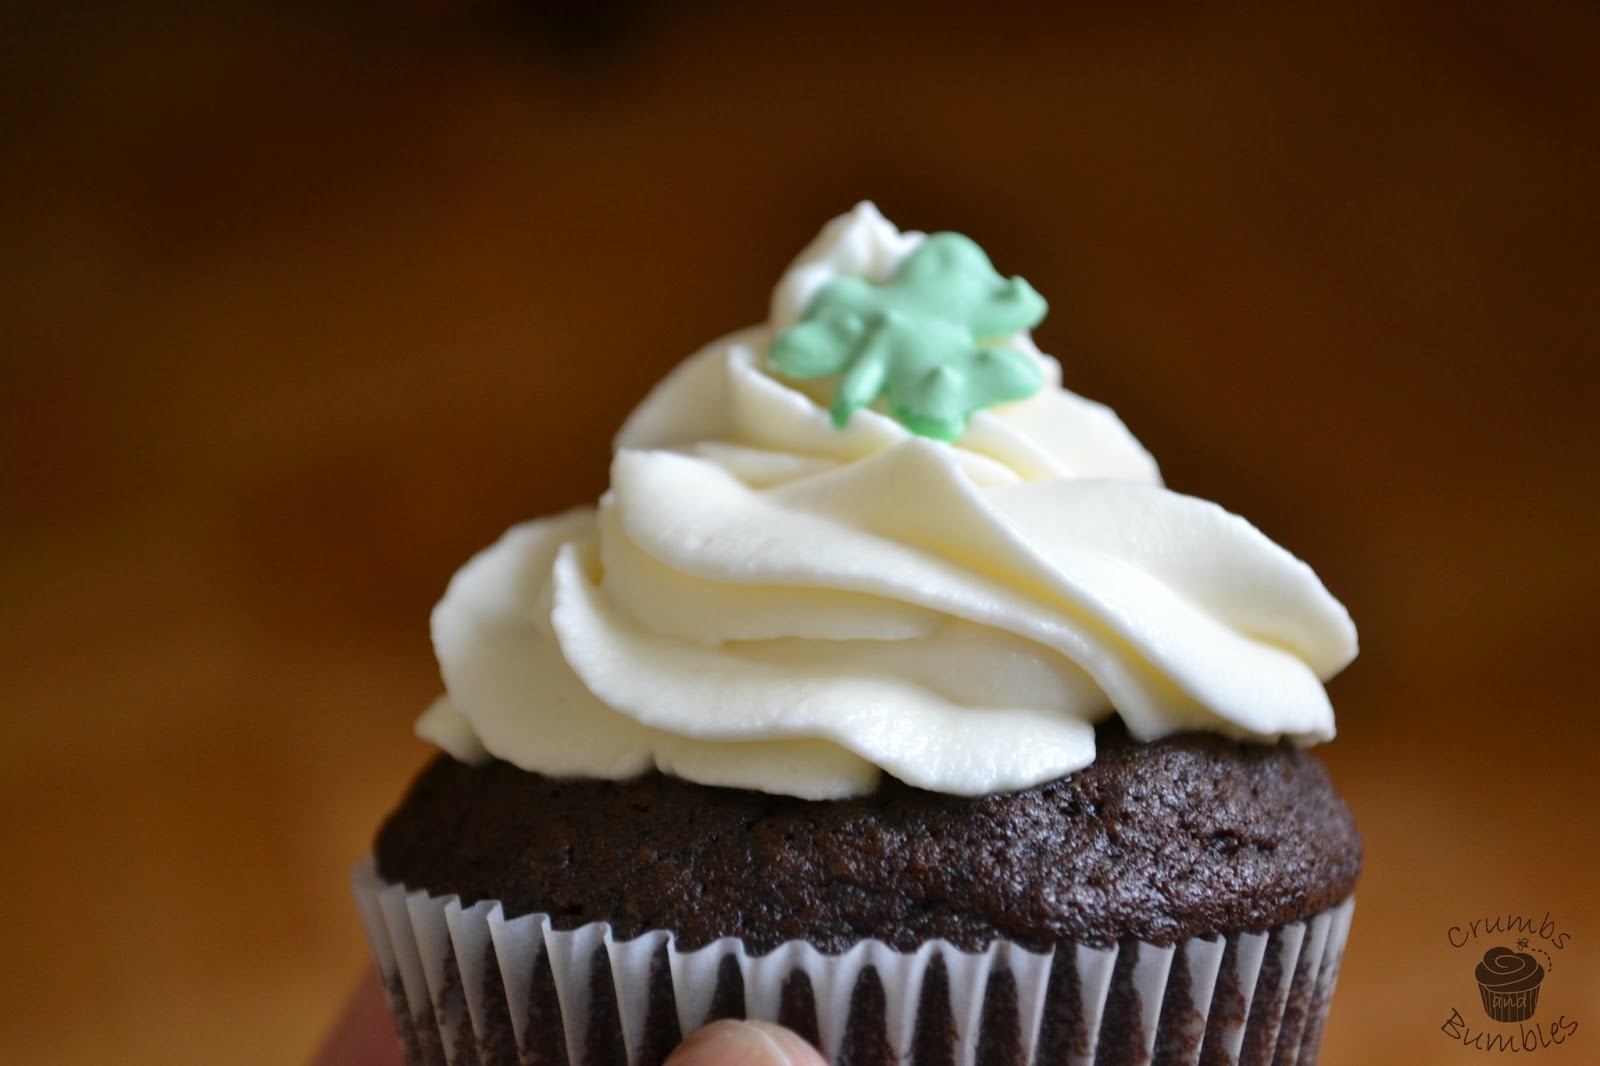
[{"x": 1160, "y": 841}]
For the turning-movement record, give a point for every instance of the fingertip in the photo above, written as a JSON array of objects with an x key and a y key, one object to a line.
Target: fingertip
[
  {"x": 796, "y": 1049},
  {"x": 731, "y": 1042},
  {"x": 364, "y": 1033}
]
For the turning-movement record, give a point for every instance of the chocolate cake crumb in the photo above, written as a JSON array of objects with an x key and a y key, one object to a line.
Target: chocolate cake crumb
[{"x": 1187, "y": 836}]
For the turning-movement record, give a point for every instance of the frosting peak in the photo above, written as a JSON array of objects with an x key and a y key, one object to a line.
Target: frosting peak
[{"x": 771, "y": 596}]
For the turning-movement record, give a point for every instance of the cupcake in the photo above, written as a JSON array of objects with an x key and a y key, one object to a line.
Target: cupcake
[
  {"x": 886, "y": 694},
  {"x": 1509, "y": 983}
]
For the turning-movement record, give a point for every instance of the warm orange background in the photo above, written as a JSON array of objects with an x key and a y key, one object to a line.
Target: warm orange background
[{"x": 300, "y": 309}]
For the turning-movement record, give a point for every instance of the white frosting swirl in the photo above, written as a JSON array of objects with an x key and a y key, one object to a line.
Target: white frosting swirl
[{"x": 765, "y": 601}]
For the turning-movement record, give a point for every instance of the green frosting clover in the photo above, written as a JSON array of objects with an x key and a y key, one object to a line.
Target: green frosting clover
[{"x": 924, "y": 338}]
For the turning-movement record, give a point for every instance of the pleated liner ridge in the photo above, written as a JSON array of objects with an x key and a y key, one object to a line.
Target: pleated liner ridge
[{"x": 469, "y": 986}]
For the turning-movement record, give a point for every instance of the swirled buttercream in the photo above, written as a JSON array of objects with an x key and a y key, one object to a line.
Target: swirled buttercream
[{"x": 766, "y": 600}]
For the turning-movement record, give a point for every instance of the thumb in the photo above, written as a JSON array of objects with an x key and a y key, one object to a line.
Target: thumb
[{"x": 738, "y": 1043}]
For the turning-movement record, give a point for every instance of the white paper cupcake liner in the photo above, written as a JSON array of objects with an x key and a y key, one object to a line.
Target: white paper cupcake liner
[{"x": 470, "y": 986}]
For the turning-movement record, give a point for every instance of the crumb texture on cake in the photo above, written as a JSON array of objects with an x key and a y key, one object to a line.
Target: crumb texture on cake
[{"x": 1183, "y": 837}]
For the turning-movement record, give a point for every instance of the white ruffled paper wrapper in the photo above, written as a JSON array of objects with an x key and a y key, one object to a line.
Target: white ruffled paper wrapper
[{"x": 470, "y": 986}]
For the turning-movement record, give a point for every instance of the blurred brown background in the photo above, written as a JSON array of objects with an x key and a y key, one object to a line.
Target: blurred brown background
[{"x": 301, "y": 306}]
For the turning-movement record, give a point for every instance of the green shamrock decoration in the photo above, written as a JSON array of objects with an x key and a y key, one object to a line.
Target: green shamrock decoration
[{"x": 924, "y": 338}]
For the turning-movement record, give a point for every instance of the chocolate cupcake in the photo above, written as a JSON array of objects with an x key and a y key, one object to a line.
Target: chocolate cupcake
[{"x": 886, "y": 694}]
